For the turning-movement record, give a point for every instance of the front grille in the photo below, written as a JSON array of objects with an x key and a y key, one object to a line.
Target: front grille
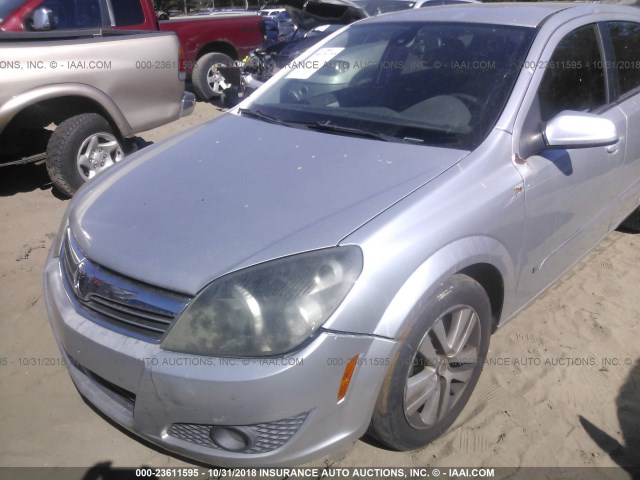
[
  {"x": 121, "y": 304},
  {"x": 268, "y": 436}
]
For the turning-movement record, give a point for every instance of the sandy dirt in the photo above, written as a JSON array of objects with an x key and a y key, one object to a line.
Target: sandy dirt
[{"x": 561, "y": 386}]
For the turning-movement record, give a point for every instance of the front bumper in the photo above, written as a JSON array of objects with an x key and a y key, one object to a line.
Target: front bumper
[{"x": 173, "y": 399}]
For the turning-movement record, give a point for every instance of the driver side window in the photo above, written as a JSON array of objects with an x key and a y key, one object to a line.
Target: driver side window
[{"x": 574, "y": 78}]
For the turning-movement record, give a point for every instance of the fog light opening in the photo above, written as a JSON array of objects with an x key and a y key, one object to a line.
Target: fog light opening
[
  {"x": 346, "y": 377},
  {"x": 233, "y": 439}
]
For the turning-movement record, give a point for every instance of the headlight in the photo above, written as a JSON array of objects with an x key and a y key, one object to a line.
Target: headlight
[{"x": 268, "y": 309}]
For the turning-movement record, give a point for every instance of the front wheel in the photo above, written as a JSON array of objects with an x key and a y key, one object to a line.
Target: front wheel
[
  {"x": 79, "y": 149},
  {"x": 208, "y": 82},
  {"x": 438, "y": 365}
]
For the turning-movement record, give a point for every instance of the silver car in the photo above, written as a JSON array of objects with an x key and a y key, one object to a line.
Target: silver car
[{"x": 332, "y": 256}]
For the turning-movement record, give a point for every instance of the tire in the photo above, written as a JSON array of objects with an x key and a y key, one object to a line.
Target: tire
[
  {"x": 80, "y": 148},
  {"x": 411, "y": 410},
  {"x": 632, "y": 222},
  {"x": 205, "y": 77}
]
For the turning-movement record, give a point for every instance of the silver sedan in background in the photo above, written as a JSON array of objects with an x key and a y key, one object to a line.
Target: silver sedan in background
[{"x": 332, "y": 256}]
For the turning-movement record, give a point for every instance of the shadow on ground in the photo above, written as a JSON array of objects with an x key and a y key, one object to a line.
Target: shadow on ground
[
  {"x": 627, "y": 454},
  {"x": 23, "y": 178},
  {"x": 104, "y": 471}
]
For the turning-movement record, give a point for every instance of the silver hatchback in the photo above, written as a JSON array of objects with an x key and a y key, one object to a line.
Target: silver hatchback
[{"x": 332, "y": 256}]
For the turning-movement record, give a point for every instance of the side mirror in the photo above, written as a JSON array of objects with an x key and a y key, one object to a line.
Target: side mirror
[
  {"x": 579, "y": 130},
  {"x": 43, "y": 20}
]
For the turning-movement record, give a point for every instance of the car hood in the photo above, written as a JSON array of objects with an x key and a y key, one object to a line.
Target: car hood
[
  {"x": 238, "y": 191},
  {"x": 308, "y": 14}
]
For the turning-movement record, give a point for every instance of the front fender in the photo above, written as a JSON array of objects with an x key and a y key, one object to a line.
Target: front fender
[
  {"x": 444, "y": 263},
  {"x": 383, "y": 310}
]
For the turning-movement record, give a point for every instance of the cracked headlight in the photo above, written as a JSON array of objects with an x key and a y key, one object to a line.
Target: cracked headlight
[{"x": 267, "y": 309}]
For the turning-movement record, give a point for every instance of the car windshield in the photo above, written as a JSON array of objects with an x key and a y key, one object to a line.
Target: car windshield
[
  {"x": 7, "y": 7},
  {"x": 437, "y": 84}
]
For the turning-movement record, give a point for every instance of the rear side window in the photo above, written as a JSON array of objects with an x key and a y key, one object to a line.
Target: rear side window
[
  {"x": 71, "y": 14},
  {"x": 127, "y": 12},
  {"x": 7, "y": 7},
  {"x": 625, "y": 37},
  {"x": 574, "y": 76}
]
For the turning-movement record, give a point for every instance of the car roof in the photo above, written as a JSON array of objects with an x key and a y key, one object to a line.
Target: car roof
[{"x": 517, "y": 14}]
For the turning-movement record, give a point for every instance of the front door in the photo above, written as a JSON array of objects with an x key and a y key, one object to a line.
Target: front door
[{"x": 570, "y": 194}]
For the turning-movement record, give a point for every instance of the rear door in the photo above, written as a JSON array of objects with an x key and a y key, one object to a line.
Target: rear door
[{"x": 625, "y": 46}]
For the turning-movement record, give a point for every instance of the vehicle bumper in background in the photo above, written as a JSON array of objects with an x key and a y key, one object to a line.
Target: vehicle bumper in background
[
  {"x": 188, "y": 104},
  {"x": 285, "y": 407}
]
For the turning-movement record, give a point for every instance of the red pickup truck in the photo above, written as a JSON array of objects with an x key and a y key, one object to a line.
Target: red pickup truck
[{"x": 207, "y": 41}]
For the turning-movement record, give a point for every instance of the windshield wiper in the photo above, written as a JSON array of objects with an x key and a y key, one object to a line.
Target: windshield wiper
[
  {"x": 261, "y": 116},
  {"x": 324, "y": 126},
  {"x": 328, "y": 126}
]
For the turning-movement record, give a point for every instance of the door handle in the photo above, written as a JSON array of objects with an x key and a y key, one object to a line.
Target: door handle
[{"x": 612, "y": 148}]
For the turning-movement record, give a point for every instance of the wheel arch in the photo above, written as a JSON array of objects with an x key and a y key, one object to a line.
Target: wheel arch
[
  {"x": 491, "y": 280},
  {"x": 218, "y": 47},
  {"x": 66, "y": 100},
  {"x": 482, "y": 258}
]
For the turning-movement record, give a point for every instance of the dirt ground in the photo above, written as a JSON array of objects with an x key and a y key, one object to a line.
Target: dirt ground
[{"x": 561, "y": 386}]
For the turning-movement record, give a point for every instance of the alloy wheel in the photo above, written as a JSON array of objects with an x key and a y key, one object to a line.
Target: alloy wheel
[
  {"x": 98, "y": 152},
  {"x": 442, "y": 366}
]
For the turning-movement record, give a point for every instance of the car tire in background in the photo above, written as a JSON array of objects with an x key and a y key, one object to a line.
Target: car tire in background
[
  {"x": 81, "y": 147},
  {"x": 437, "y": 367},
  {"x": 206, "y": 78},
  {"x": 632, "y": 222}
]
